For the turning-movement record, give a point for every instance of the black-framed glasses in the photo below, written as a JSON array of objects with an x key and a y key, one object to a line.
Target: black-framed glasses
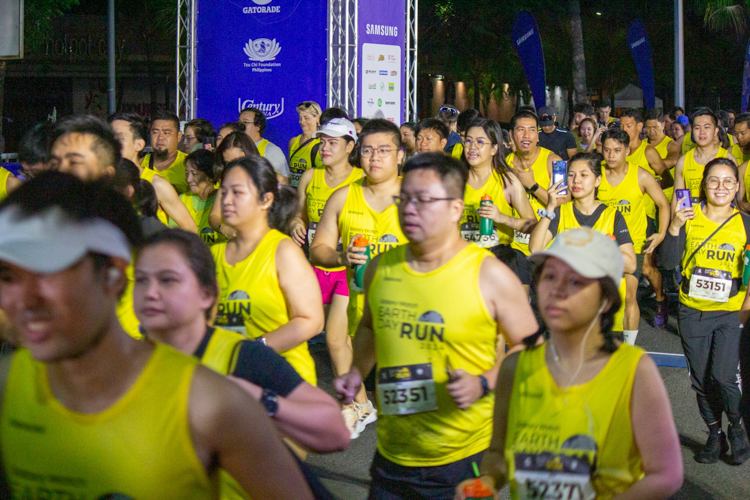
[
  {"x": 420, "y": 201},
  {"x": 450, "y": 109}
]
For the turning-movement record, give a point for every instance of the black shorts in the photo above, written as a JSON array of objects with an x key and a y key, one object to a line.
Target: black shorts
[{"x": 524, "y": 267}]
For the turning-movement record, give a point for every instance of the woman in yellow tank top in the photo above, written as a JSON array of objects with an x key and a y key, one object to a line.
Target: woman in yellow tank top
[
  {"x": 201, "y": 197},
  {"x": 268, "y": 289},
  {"x": 337, "y": 140},
  {"x": 304, "y": 149},
  {"x": 489, "y": 175},
  {"x": 233, "y": 146},
  {"x": 709, "y": 241},
  {"x": 581, "y": 416}
]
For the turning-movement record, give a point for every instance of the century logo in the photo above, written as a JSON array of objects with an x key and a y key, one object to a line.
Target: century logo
[
  {"x": 270, "y": 9},
  {"x": 262, "y": 49},
  {"x": 270, "y": 109}
]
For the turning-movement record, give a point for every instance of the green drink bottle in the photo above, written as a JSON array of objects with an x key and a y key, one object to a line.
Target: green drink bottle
[
  {"x": 359, "y": 269},
  {"x": 746, "y": 272},
  {"x": 485, "y": 224}
]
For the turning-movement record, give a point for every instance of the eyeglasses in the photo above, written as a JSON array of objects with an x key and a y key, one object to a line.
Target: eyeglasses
[
  {"x": 420, "y": 202},
  {"x": 382, "y": 152},
  {"x": 477, "y": 143},
  {"x": 727, "y": 182},
  {"x": 450, "y": 109}
]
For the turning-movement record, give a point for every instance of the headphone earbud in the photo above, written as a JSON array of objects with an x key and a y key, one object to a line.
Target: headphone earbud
[
  {"x": 113, "y": 276},
  {"x": 604, "y": 305}
]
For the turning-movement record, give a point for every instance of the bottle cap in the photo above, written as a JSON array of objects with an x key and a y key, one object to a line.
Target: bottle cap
[
  {"x": 747, "y": 247},
  {"x": 361, "y": 242},
  {"x": 477, "y": 489},
  {"x": 486, "y": 197}
]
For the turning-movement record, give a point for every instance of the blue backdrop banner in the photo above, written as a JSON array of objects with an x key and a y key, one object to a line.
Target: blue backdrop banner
[
  {"x": 641, "y": 50},
  {"x": 528, "y": 44},
  {"x": 270, "y": 54},
  {"x": 381, "y": 33},
  {"x": 746, "y": 80}
]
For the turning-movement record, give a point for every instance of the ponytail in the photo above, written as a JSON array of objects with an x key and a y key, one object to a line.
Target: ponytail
[{"x": 145, "y": 201}]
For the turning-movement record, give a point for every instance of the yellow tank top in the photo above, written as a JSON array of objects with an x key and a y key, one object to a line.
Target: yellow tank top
[
  {"x": 4, "y": 175},
  {"x": 251, "y": 301},
  {"x": 541, "y": 177},
  {"x": 125, "y": 310},
  {"x": 578, "y": 442},
  {"x": 419, "y": 330},
  {"x": 639, "y": 158},
  {"x": 721, "y": 257},
  {"x": 663, "y": 149},
  {"x": 175, "y": 173},
  {"x": 458, "y": 150},
  {"x": 629, "y": 200},
  {"x": 470, "y": 221},
  {"x": 200, "y": 210},
  {"x": 49, "y": 450},
  {"x": 606, "y": 225},
  {"x": 148, "y": 174},
  {"x": 382, "y": 230},
  {"x": 692, "y": 172},
  {"x": 262, "y": 147},
  {"x": 299, "y": 159},
  {"x": 687, "y": 144},
  {"x": 317, "y": 194}
]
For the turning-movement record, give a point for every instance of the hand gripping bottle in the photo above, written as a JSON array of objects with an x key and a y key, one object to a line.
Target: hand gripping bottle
[
  {"x": 359, "y": 269},
  {"x": 477, "y": 490},
  {"x": 746, "y": 272},
  {"x": 485, "y": 225}
]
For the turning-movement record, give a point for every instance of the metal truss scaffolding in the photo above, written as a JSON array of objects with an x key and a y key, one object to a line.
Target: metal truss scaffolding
[
  {"x": 342, "y": 54},
  {"x": 185, "y": 86},
  {"x": 410, "y": 66}
]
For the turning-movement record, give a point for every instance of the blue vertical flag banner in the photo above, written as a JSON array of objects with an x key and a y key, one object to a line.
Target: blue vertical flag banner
[
  {"x": 268, "y": 54},
  {"x": 746, "y": 81},
  {"x": 528, "y": 44},
  {"x": 381, "y": 78},
  {"x": 641, "y": 50}
]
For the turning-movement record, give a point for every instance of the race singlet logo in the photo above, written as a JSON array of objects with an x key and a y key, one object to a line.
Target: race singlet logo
[{"x": 233, "y": 311}]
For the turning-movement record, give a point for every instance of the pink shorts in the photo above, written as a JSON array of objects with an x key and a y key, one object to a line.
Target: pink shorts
[{"x": 331, "y": 282}]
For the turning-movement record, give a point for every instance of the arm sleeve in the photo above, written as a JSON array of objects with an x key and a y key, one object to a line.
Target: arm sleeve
[
  {"x": 554, "y": 224},
  {"x": 622, "y": 233},
  {"x": 264, "y": 367},
  {"x": 277, "y": 159},
  {"x": 570, "y": 141},
  {"x": 672, "y": 249}
]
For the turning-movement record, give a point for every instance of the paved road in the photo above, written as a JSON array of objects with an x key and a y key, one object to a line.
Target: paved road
[{"x": 347, "y": 473}]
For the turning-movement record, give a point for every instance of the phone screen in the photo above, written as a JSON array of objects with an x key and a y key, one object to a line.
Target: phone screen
[{"x": 560, "y": 172}]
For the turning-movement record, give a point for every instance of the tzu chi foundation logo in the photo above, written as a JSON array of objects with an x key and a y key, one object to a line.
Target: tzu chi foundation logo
[{"x": 262, "y": 49}]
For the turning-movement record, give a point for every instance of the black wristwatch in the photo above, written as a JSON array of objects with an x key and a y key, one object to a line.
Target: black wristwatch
[
  {"x": 270, "y": 401},
  {"x": 485, "y": 385},
  {"x": 533, "y": 188}
]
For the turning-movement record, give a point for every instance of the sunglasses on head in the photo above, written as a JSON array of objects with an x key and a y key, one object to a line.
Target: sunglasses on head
[
  {"x": 547, "y": 118},
  {"x": 305, "y": 104},
  {"x": 452, "y": 110}
]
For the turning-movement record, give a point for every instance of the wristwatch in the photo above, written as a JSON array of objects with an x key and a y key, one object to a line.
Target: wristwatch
[
  {"x": 533, "y": 188},
  {"x": 546, "y": 213},
  {"x": 262, "y": 340},
  {"x": 485, "y": 385},
  {"x": 270, "y": 401}
]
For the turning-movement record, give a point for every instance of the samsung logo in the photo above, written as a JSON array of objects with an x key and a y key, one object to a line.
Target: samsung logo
[
  {"x": 638, "y": 42},
  {"x": 525, "y": 37},
  {"x": 381, "y": 29}
]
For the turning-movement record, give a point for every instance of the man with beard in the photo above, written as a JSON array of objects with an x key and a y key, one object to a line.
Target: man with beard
[{"x": 166, "y": 160}]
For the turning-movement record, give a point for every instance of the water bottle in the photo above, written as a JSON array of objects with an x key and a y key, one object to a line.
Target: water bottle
[
  {"x": 359, "y": 269},
  {"x": 485, "y": 225},
  {"x": 746, "y": 272}
]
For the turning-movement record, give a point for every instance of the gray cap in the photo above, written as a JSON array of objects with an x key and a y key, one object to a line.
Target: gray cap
[
  {"x": 590, "y": 253},
  {"x": 51, "y": 241},
  {"x": 545, "y": 115}
]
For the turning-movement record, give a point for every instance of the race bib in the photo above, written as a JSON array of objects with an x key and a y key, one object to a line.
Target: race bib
[
  {"x": 520, "y": 237},
  {"x": 710, "y": 284},
  {"x": 470, "y": 232},
  {"x": 311, "y": 232},
  {"x": 294, "y": 179},
  {"x": 405, "y": 390},
  {"x": 550, "y": 476}
]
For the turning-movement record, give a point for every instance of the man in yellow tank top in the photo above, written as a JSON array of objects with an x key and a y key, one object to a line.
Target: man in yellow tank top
[
  {"x": 255, "y": 122},
  {"x": 437, "y": 355},
  {"x": 80, "y": 392},
  {"x": 667, "y": 149},
  {"x": 626, "y": 186},
  {"x": 533, "y": 166},
  {"x": 432, "y": 136},
  {"x": 741, "y": 148},
  {"x": 166, "y": 160},
  {"x": 130, "y": 130},
  {"x": 363, "y": 208},
  {"x": 688, "y": 172}
]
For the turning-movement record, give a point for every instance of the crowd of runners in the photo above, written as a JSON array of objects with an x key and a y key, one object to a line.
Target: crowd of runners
[{"x": 159, "y": 284}]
